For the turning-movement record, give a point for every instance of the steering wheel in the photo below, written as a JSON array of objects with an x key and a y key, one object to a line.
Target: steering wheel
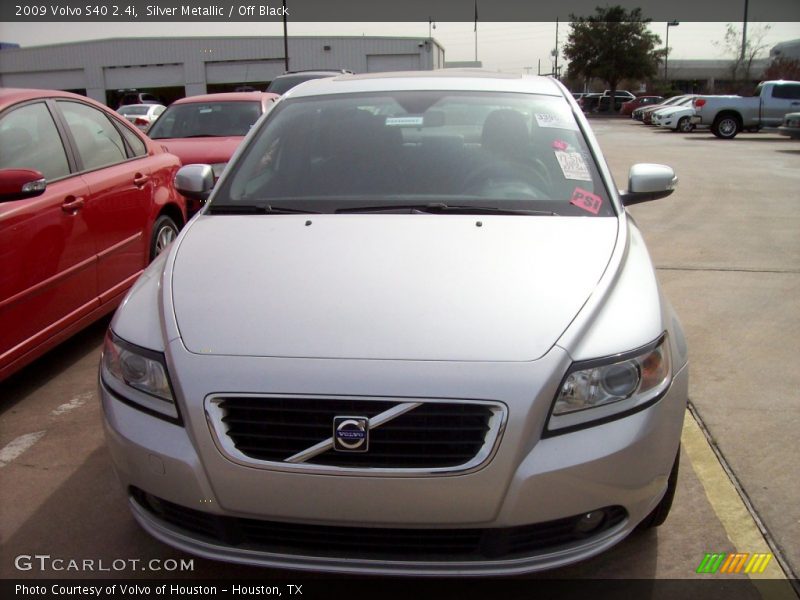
[{"x": 508, "y": 180}]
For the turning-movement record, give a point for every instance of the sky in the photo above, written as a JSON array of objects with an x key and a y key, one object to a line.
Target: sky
[{"x": 512, "y": 47}]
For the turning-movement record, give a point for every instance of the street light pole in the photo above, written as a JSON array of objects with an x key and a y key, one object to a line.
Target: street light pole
[
  {"x": 666, "y": 50},
  {"x": 285, "y": 40}
]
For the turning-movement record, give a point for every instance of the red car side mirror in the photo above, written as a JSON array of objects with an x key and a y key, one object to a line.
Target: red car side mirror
[{"x": 17, "y": 184}]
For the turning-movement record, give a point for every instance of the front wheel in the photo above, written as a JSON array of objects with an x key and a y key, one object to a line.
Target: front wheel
[
  {"x": 164, "y": 232},
  {"x": 685, "y": 125},
  {"x": 726, "y": 127}
]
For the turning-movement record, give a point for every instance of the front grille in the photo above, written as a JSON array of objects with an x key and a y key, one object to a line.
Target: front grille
[
  {"x": 378, "y": 543},
  {"x": 432, "y": 435}
]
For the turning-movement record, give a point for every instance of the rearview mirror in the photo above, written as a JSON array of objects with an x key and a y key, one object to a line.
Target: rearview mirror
[
  {"x": 195, "y": 181},
  {"x": 649, "y": 182},
  {"x": 18, "y": 184}
]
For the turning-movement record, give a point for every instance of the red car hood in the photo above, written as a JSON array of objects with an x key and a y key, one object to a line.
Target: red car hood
[{"x": 206, "y": 150}]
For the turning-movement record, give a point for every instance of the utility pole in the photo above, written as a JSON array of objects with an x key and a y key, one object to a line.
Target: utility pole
[
  {"x": 555, "y": 66},
  {"x": 666, "y": 49},
  {"x": 285, "y": 40},
  {"x": 744, "y": 32},
  {"x": 476, "y": 30}
]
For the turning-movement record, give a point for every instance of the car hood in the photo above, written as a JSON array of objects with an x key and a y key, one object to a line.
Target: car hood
[
  {"x": 206, "y": 151},
  {"x": 405, "y": 287}
]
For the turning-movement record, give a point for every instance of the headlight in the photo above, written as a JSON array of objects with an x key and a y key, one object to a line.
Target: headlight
[
  {"x": 137, "y": 376},
  {"x": 610, "y": 388}
]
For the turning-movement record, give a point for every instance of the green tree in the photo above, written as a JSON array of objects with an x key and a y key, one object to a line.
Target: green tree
[{"x": 612, "y": 45}]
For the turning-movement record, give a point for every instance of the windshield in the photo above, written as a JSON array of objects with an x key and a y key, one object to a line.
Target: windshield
[
  {"x": 339, "y": 152},
  {"x": 206, "y": 119}
]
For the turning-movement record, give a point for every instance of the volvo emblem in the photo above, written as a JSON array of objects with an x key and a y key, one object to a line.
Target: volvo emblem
[{"x": 351, "y": 434}]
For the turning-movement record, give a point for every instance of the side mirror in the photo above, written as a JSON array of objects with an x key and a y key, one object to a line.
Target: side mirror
[
  {"x": 18, "y": 184},
  {"x": 195, "y": 181},
  {"x": 649, "y": 182}
]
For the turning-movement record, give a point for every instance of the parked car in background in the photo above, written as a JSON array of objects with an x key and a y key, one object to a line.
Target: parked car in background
[
  {"x": 728, "y": 115},
  {"x": 791, "y": 125},
  {"x": 629, "y": 106},
  {"x": 142, "y": 115},
  {"x": 647, "y": 116},
  {"x": 283, "y": 83},
  {"x": 589, "y": 102},
  {"x": 136, "y": 97},
  {"x": 640, "y": 113},
  {"x": 620, "y": 96},
  {"x": 208, "y": 128},
  {"x": 86, "y": 202},
  {"x": 383, "y": 349},
  {"x": 677, "y": 118}
]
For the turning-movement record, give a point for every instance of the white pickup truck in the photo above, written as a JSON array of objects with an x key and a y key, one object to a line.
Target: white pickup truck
[{"x": 728, "y": 115}]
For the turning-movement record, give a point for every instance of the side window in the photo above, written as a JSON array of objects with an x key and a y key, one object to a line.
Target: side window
[
  {"x": 134, "y": 141},
  {"x": 29, "y": 140},
  {"x": 99, "y": 143},
  {"x": 787, "y": 91}
]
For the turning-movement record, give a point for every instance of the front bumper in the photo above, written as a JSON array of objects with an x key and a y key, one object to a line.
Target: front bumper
[{"x": 623, "y": 463}]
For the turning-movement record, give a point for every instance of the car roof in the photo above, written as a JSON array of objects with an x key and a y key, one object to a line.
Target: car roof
[
  {"x": 323, "y": 72},
  {"x": 227, "y": 97},
  {"x": 441, "y": 79}
]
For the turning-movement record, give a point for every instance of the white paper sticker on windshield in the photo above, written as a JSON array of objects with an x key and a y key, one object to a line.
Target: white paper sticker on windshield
[
  {"x": 558, "y": 121},
  {"x": 404, "y": 121},
  {"x": 573, "y": 166}
]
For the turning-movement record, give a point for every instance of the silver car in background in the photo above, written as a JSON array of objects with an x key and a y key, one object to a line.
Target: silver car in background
[
  {"x": 142, "y": 115},
  {"x": 413, "y": 332}
]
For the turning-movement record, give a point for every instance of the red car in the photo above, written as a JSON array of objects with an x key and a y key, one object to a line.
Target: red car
[
  {"x": 207, "y": 129},
  {"x": 629, "y": 106},
  {"x": 86, "y": 202}
]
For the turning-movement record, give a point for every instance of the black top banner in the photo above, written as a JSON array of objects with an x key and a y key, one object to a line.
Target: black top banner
[{"x": 385, "y": 10}]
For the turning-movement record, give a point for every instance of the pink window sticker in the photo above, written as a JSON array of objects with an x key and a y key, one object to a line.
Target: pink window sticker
[
  {"x": 586, "y": 200},
  {"x": 560, "y": 145}
]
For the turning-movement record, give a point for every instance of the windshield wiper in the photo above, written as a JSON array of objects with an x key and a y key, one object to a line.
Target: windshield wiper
[
  {"x": 441, "y": 208},
  {"x": 254, "y": 209}
]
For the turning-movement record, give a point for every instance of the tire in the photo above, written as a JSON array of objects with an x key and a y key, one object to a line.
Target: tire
[
  {"x": 685, "y": 125},
  {"x": 659, "y": 514},
  {"x": 164, "y": 232},
  {"x": 726, "y": 126}
]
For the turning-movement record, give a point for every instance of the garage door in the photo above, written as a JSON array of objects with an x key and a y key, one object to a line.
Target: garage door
[
  {"x": 47, "y": 80},
  {"x": 243, "y": 71},
  {"x": 392, "y": 62},
  {"x": 143, "y": 77}
]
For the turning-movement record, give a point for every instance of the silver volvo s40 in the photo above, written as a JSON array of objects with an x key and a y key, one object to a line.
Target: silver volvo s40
[{"x": 412, "y": 332}]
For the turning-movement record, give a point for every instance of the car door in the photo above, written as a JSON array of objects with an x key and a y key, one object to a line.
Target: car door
[
  {"x": 120, "y": 194},
  {"x": 48, "y": 278},
  {"x": 785, "y": 98}
]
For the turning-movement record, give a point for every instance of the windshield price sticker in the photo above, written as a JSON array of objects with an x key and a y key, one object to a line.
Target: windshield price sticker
[
  {"x": 556, "y": 121},
  {"x": 573, "y": 166},
  {"x": 405, "y": 121},
  {"x": 586, "y": 200}
]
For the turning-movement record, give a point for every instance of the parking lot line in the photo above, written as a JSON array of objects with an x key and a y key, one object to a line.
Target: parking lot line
[
  {"x": 18, "y": 447},
  {"x": 728, "y": 505}
]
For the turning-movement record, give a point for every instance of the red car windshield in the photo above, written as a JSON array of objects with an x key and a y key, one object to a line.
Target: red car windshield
[{"x": 206, "y": 119}]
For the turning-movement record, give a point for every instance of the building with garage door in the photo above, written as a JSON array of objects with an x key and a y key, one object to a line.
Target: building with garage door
[{"x": 171, "y": 68}]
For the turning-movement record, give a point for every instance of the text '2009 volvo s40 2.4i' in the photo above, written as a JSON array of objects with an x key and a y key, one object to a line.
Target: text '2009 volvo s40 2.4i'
[{"x": 413, "y": 332}]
